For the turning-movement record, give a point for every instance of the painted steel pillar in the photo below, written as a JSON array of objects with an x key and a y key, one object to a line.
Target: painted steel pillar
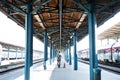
[
  {"x": 70, "y": 61},
  {"x": 45, "y": 48},
  {"x": 51, "y": 52},
  {"x": 55, "y": 53},
  {"x": 29, "y": 42},
  {"x": 92, "y": 40},
  {"x": 67, "y": 49},
  {"x": 75, "y": 51},
  {"x": 66, "y": 56}
]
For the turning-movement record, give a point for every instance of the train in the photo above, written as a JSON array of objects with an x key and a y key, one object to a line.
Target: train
[
  {"x": 13, "y": 54},
  {"x": 108, "y": 53},
  {"x": 0, "y": 54}
]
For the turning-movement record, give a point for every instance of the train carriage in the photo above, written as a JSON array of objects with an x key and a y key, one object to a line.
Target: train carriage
[
  {"x": 108, "y": 53},
  {"x": 0, "y": 53}
]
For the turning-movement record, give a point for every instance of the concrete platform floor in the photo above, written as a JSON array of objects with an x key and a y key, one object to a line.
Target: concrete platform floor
[{"x": 54, "y": 73}]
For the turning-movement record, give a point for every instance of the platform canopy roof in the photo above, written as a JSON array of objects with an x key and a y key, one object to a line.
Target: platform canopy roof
[
  {"x": 49, "y": 14},
  {"x": 111, "y": 33}
]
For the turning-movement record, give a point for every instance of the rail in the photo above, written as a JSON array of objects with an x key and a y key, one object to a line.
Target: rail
[
  {"x": 106, "y": 67},
  {"x": 7, "y": 67}
]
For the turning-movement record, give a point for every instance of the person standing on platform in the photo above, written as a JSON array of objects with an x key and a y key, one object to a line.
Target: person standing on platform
[{"x": 59, "y": 60}]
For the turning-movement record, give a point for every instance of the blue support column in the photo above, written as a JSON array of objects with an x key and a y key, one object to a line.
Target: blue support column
[
  {"x": 53, "y": 53},
  {"x": 57, "y": 52},
  {"x": 70, "y": 61},
  {"x": 75, "y": 49},
  {"x": 45, "y": 48},
  {"x": 29, "y": 42},
  {"x": 67, "y": 53},
  {"x": 92, "y": 40},
  {"x": 50, "y": 52},
  {"x": 66, "y": 56}
]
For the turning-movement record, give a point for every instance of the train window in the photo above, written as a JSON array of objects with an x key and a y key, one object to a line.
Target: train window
[
  {"x": 99, "y": 51},
  {"x": 117, "y": 50},
  {"x": 104, "y": 51}
]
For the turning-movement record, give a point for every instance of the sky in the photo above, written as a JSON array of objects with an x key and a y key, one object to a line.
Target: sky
[
  {"x": 12, "y": 33},
  {"x": 106, "y": 25}
]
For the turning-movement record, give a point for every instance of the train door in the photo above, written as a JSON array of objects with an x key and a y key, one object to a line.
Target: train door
[{"x": 118, "y": 55}]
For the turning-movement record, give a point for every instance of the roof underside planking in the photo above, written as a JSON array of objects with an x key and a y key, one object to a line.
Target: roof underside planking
[{"x": 46, "y": 15}]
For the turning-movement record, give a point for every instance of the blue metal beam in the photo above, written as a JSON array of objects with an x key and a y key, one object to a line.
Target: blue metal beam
[
  {"x": 45, "y": 48},
  {"x": 42, "y": 3},
  {"x": 14, "y": 6},
  {"x": 80, "y": 5},
  {"x": 29, "y": 41},
  {"x": 107, "y": 5},
  {"x": 75, "y": 49},
  {"x": 53, "y": 32},
  {"x": 92, "y": 25}
]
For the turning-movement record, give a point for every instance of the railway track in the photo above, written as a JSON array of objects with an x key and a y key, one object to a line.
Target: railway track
[
  {"x": 8, "y": 67},
  {"x": 106, "y": 67}
]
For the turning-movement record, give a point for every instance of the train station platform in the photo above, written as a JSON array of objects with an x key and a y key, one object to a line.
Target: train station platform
[{"x": 54, "y": 73}]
